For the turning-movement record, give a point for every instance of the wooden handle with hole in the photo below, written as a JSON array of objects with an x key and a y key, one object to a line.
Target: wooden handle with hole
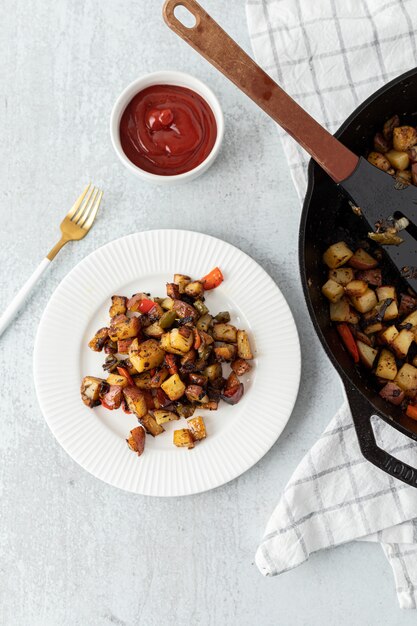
[{"x": 215, "y": 45}]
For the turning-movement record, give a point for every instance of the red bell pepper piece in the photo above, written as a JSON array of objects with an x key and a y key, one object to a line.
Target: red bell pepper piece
[
  {"x": 349, "y": 341},
  {"x": 212, "y": 279},
  {"x": 197, "y": 340},
  {"x": 171, "y": 364},
  {"x": 146, "y": 305},
  {"x": 123, "y": 372},
  {"x": 412, "y": 411}
]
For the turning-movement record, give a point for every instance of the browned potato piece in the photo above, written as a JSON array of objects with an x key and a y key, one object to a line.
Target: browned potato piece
[
  {"x": 404, "y": 137},
  {"x": 389, "y": 126},
  {"x": 146, "y": 356},
  {"x": 210, "y": 406},
  {"x": 167, "y": 303},
  {"x": 332, "y": 290},
  {"x": 136, "y": 441},
  {"x": 99, "y": 339},
  {"x": 123, "y": 327},
  {"x": 159, "y": 377},
  {"x": 116, "y": 379},
  {"x": 336, "y": 255},
  {"x": 184, "y": 310},
  {"x": 367, "y": 354},
  {"x": 402, "y": 342},
  {"x": 411, "y": 319},
  {"x": 226, "y": 332},
  {"x": 407, "y": 380},
  {"x": 135, "y": 401},
  {"x": 154, "y": 330},
  {"x": 225, "y": 352},
  {"x": 196, "y": 393},
  {"x": 143, "y": 381},
  {"x": 385, "y": 292},
  {"x": 112, "y": 399},
  {"x": 173, "y": 291},
  {"x": 183, "y": 438},
  {"x": 162, "y": 416},
  {"x": 243, "y": 345},
  {"x": 240, "y": 367},
  {"x": 194, "y": 289},
  {"x": 361, "y": 260},
  {"x": 173, "y": 387},
  {"x": 398, "y": 160},
  {"x": 342, "y": 275},
  {"x": 378, "y": 160},
  {"x": 365, "y": 302},
  {"x": 386, "y": 367},
  {"x": 389, "y": 334},
  {"x": 123, "y": 345},
  {"x": 90, "y": 390},
  {"x": 118, "y": 306},
  {"x": 178, "y": 341},
  {"x": 356, "y": 288},
  {"x": 151, "y": 426},
  {"x": 340, "y": 311},
  {"x": 197, "y": 427},
  {"x": 404, "y": 176},
  {"x": 213, "y": 372},
  {"x": 182, "y": 281}
]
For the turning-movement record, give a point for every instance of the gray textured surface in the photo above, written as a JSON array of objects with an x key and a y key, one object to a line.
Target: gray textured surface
[{"x": 74, "y": 551}]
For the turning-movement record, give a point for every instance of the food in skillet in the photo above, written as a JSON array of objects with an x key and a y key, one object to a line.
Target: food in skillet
[
  {"x": 165, "y": 359},
  {"x": 395, "y": 150},
  {"x": 376, "y": 322}
]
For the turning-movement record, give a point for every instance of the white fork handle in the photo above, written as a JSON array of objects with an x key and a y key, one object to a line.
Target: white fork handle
[{"x": 22, "y": 295}]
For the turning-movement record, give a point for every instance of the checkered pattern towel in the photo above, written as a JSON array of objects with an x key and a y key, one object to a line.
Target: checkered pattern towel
[{"x": 330, "y": 55}]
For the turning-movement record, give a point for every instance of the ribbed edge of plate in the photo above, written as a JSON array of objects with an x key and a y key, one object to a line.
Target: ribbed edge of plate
[{"x": 263, "y": 414}]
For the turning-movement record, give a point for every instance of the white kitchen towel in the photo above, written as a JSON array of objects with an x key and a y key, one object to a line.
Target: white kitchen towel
[{"x": 329, "y": 55}]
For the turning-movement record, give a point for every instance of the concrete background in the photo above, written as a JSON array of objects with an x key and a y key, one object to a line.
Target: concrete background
[{"x": 74, "y": 551}]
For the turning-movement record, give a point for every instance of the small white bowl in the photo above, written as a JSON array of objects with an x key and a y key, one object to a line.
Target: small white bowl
[{"x": 165, "y": 78}]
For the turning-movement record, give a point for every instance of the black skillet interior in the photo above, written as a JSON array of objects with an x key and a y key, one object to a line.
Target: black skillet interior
[{"x": 327, "y": 218}]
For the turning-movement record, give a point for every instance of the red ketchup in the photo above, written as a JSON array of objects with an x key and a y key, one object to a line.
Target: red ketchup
[{"x": 167, "y": 130}]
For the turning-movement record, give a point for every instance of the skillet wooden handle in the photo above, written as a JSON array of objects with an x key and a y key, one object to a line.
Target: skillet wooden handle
[{"x": 215, "y": 45}]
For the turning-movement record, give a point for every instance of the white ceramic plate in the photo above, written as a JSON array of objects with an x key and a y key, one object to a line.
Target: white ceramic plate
[{"x": 238, "y": 436}]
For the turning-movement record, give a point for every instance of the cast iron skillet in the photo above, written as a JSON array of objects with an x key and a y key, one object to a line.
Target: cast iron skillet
[{"x": 327, "y": 218}]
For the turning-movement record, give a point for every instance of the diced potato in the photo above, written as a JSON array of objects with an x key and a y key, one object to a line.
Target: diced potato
[
  {"x": 392, "y": 393},
  {"x": 112, "y": 398},
  {"x": 411, "y": 319},
  {"x": 353, "y": 317},
  {"x": 194, "y": 289},
  {"x": 342, "y": 275},
  {"x": 210, "y": 406},
  {"x": 184, "y": 310},
  {"x": 379, "y": 160},
  {"x": 151, "y": 425},
  {"x": 162, "y": 416},
  {"x": 402, "y": 343},
  {"x": 173, "y": 291},
  {"x": 90, "y": 390},
  {"x": 196, "y": 393},
  {"x": 356, "y": 288},
  {"x": 159, "y": 377},
  {"x": 98, "y": 341},
  {"x": 389, "y": 334},
  {"x": 118, "y": 306},
  {"x": 136, "y": 441},
  {"x": 240, "y": 367},
  {"x": 143, "y": 381},
  {"x": 407, "y": 379},
  {"x": 123, "y": 345},
  {"x": 361, "y": 260},
  {"x": 204, "y": 322},
  {"x": 146, "y": 356},
  {"x": 123, "y": 327},
  {"x": 173, "y": 387},
  {"x": 197, "y": 427},
  {"x": 154, "y": 330},
  {"x": 244, "y": 350},
  {"x": 333, "y": 291},
  {"x": 404, "y": 138},
  {"x": 340, "y": 311},
  {"x": 398, "y": 160},
  {"x": 386, "y": 367},
  {"x": 373, "y": 328},
  {"x": 366, "y": 302},
  {"x": 135, "y": 401},
  {"x": 367, "y": 354},
  {"x": 178, "y": 341},
  {"x": 116, "y": 379},
  {"x": 227, "y": 332},
  {"x": 404, "y": 176},
  {"x": 226, "y": 351},
  {"x": 391, "y": 312},
  {"x": 182, "y": 281},
  {"x": 167, "y": 304},
  {"x": 385, "y": 292},
  {"x": 183, "y": 438},
  {"x": 336, "y": 255},
  {"x": 213, "y": 372}
]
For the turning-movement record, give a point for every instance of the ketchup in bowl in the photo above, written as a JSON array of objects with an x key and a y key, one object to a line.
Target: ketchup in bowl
[{"x": 167, "y": 130}]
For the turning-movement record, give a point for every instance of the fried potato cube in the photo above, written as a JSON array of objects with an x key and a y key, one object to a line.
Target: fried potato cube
[
  {"x": 98, "y": 341},
  {"x": 407, "y": 379},
  {"x": 90, "y": 390},
  {"x": 243, "y": 345},
  {"x": 123, "y": 327},
  {"x": 185, "y": 311},
  {"x": 227, "y": 332},
  {"x": 389, "y": 334},
  {"x": 123, "y": 345},
  {"x": 136, "y": 441},
  {"x": 402, "y": 342},
  {"x": 356, "y": 288},
  {"x": 135, "y": 401},
  {"x": 151, "y": 426},
  {"x": 336, "y": 255},
  {"x": 411, "y": 319},
  {"x": 173, "y": 387},
  {"x": 183, "y": 438},
  {"x": 361, "y": 260},
  {"x": 367, "y": 354},
  {"x": 379, "y": 160},
  {"x": 197, "y": 427},
  {"x": 404, "y": 138},
  {"x": 173, "y": 291},
  {"x": 162, "y": 416},
  {"x": 365, "y": 302},
  {"x": 226, "y": 351},
  {"x": 386, "y": 367},
  {"x": 178, "y": 341},
  {"x": 145, "y": 356},
  {"x": 399, "y": 160},
  {"x": 143, "y": 381},
  {"x": 182, "y": 281},
  {"x": 118, "y": 306},
  {"x": 342, "y": 275},
  {"x": 333, "y": 291},
  {"x": 240, "y": 367},
  {"x": 340, "y": 311},
  {"x": 117, "y": 379},
  {"x": 112, "y": 399},
  {"x": 194, "y": 289}
]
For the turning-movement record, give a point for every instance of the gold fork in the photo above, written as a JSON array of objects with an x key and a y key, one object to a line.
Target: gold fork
[{"x": 74, "y": 227}]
